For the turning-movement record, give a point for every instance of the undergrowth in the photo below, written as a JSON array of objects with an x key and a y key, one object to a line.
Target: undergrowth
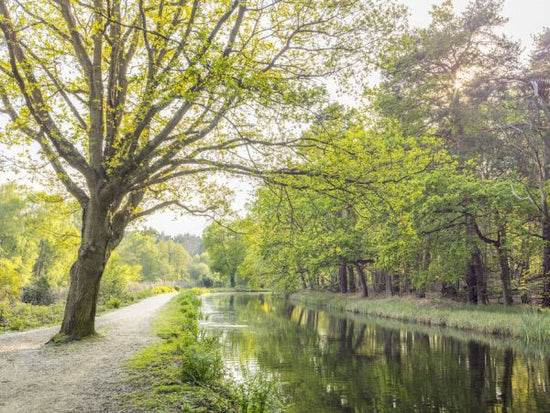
[
  {"x": 183, "y": 371},
  {"x": 19, "y": 316}
]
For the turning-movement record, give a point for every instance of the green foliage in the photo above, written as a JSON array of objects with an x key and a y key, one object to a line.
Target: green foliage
[
  {"x": 158, "y": 257},
  {"x": 257, "y": 395},
  {"x": 38, "y": 292},
  {"x": 38, "y": 240},
  {"x": 10, "y": 278},
  {"x": 22, "y": 316},
  {"x": 226, "y": 249},
  {"x": 116, "y": 278},
  {"x": 201, "y": 362}
]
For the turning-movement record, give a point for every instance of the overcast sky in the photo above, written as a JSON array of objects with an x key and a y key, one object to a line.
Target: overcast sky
[{"x": 526, "y": 17}]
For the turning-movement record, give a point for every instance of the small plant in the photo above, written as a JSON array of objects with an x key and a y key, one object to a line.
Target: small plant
[
  {"x": 201, "y": 362},
  {"x": 114, "y": 302},
  {"x": 257, "y": 395}
]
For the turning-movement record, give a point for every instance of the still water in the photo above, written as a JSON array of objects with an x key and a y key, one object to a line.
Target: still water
[{"x": 325, "y": 362}]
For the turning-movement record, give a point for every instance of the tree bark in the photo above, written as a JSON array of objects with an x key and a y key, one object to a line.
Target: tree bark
[
  {"x": 546, "y": 263},
  {"x": 303, "y": 279},
  {"x": 505, "y": 276},
  {"x": 482, "y": 297},
  {"x": 362, "y": 280},
  {"x": 351, "y": 280},
  {"x": 342, "y": 277},
  {"x": 389, "y": 289},
  {"x": 376, "y": 282}
]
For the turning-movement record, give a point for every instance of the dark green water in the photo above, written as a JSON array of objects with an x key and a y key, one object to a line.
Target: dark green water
[{"x": 323, "y": 362}]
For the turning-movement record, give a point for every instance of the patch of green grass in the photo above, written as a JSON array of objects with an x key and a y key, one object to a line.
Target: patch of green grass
[
  {"x": 183, "y": 371},
  {"x": 532, "y": 325}
]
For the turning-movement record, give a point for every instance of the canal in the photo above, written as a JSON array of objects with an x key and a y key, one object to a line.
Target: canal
[{"x": 320, "y": 361}]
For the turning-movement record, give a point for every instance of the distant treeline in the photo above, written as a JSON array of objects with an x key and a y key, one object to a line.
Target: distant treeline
[{"x": 39, "y": 239}]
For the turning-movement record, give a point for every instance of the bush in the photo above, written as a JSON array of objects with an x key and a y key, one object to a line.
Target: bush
[
  {"x": 10, "y": 278},
  {"x": 116, "y": 279},
  {"x": 163, "y": 289},
  {"x": 20, "y": 316},
  {"x": 38, "y": 292},
  {"x": 114, "y": 302},
  {"x": 257, "y": 395}
]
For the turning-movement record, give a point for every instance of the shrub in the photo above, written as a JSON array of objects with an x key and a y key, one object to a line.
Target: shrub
[
  {"x": 38, "y": 292},
  {"x": 117, "y": 277},
  {"x": 114, "y": 302},
  {"x": 162, "y": 289},
  {"x": 201, "y": 362}
]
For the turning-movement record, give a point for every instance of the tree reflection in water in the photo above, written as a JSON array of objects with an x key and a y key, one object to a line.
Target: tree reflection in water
[{"x": 331, "y": 363}]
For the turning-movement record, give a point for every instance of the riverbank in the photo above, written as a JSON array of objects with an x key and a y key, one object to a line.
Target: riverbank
[
  {"x": 183, "y": 370},
  {"x": 529, "y": 324}
]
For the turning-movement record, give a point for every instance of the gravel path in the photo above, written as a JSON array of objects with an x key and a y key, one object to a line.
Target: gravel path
[{"x": 77, "y": 377}]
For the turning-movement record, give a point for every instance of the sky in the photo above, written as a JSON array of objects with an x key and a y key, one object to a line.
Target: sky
[{"x": 526, "y": 17}]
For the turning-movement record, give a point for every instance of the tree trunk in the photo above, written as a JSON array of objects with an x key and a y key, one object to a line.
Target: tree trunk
[
  {"x": 505, "y": 275},
  {"x": 86, "y": 272},
  {"x": 477, "y": 290},
  {"x": 362, "y": 280},
  {"x": 232, "y": 280},
  {"x": 303, "y": 279},
  {"x": 376, "y": 281},
  {"x": 471, "y": 282},
  {"x": 546, "y": 263},
  {"x": 343, "y": 278},
  {"x": 480, "y": 277},
  {"x": 351, "y": 280},
  {"x": 389, "y": 290}
]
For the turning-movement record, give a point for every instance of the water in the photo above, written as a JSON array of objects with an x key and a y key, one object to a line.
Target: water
[{"x": 324, "y": 362}]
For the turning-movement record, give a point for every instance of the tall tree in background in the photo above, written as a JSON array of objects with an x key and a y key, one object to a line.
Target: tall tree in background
[
  {"x": 226, "y": 249},
  {"x": 127, "y": 99},
  {"x": 441, "y": 80},
  {"x": 434, "y": 79}
]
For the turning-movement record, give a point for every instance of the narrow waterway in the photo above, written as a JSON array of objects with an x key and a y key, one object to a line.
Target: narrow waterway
[{"x": 323, "y": 362}]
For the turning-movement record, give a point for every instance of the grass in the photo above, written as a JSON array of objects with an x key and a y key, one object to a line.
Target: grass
[
  {"x": 183, "y": 371},
  {"x": 20, "y": 316},
  {"x": 529, "y": 324}
]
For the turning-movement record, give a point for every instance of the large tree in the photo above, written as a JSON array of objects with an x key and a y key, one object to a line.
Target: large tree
[{"x": 127, "y": 99}]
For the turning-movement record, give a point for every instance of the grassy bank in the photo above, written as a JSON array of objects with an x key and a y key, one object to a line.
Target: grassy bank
[
  {"x": 531, "y": 325},
  {"x": 19, "y": 316},
  {"x": 183, "y": 371}
]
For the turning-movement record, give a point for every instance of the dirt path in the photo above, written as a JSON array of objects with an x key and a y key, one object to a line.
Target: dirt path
[{"x": 78, "y": 377}]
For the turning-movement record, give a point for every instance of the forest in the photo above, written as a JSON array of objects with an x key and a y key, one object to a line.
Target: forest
[{"x": 438, "y": 183}]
